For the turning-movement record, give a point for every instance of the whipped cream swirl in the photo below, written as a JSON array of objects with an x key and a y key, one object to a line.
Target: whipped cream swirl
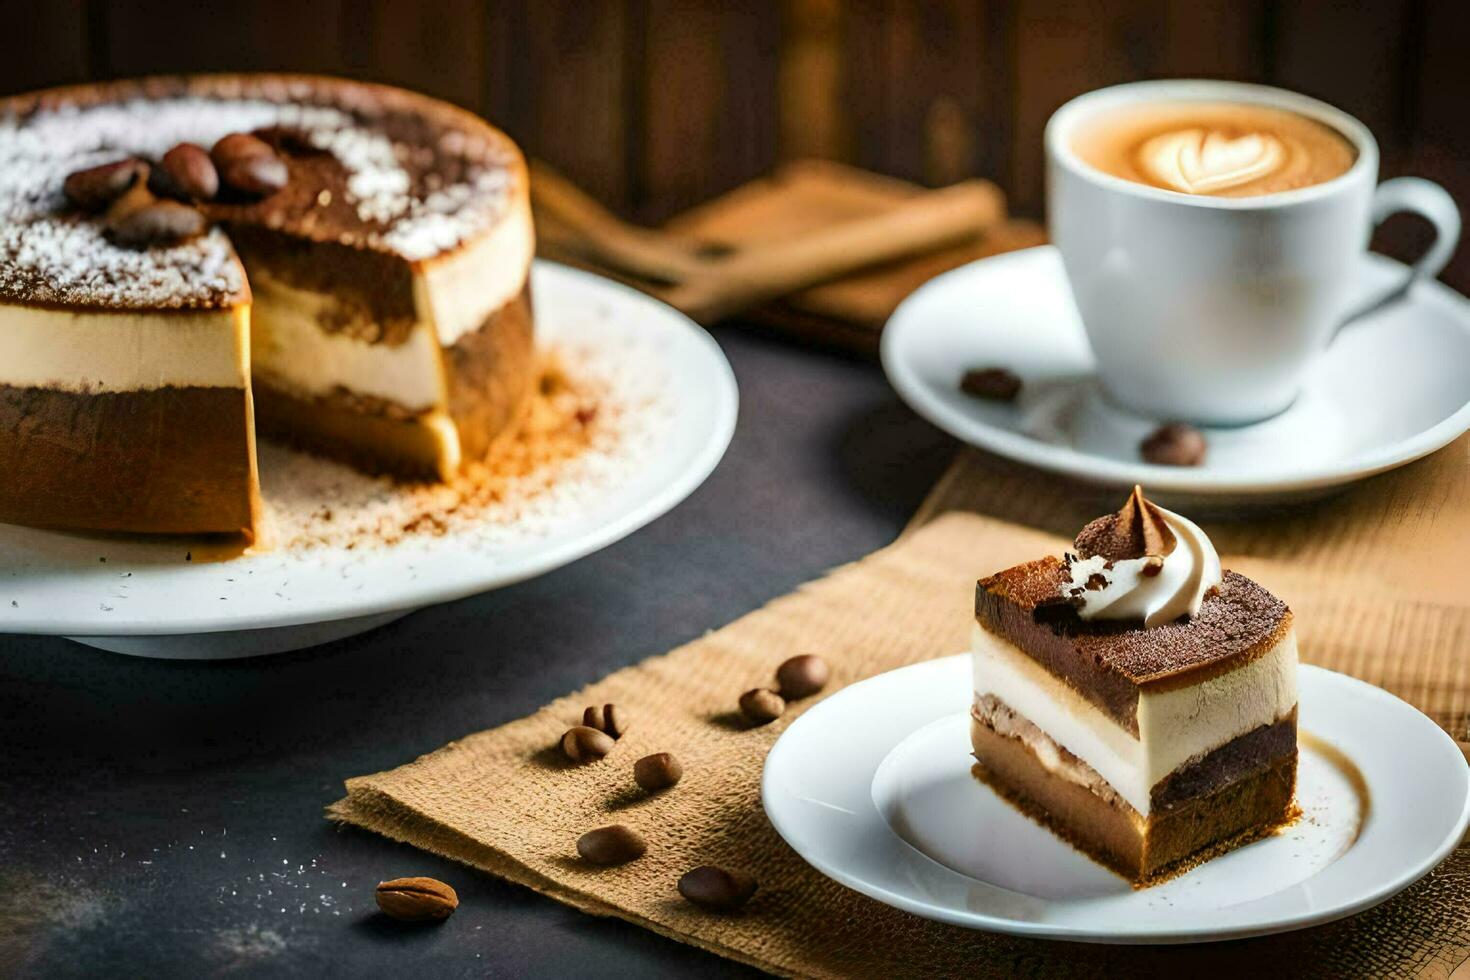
[
  {"x": 1203, "y": 161},
  {"x": 1167, "y": 578}
]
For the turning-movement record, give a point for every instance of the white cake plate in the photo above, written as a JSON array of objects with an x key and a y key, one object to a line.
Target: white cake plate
[
  {"x": 897, "y": 815},
  {"x": 1393, "y": 387},
  {"x": 141, "y": 596}
]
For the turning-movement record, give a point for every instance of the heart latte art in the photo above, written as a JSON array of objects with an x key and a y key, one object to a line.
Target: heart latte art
[
  {"x": 1202, "y": 161},
  {"x": 1215, "y": 149}
]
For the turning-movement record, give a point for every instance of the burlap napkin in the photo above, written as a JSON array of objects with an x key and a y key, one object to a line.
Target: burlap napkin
[{"x": 1369, "y": 575}]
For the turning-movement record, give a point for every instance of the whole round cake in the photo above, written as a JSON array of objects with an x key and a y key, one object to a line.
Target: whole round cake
[{"x": 341, "y": 265}]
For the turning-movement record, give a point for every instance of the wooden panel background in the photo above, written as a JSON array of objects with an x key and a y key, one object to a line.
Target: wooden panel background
[{"x": 654, "y": 105}]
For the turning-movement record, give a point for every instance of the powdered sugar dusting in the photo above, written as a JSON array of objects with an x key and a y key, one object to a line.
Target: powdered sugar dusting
[
  {"x": 598, "y": 418},
  {"x": 50, "y": 254}
]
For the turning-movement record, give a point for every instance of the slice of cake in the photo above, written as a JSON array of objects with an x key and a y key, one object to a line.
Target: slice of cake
[{"x": 1134, "y": 698}]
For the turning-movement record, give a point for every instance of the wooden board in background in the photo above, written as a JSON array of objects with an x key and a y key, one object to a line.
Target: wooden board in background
[{"x": 804, "y": 196}]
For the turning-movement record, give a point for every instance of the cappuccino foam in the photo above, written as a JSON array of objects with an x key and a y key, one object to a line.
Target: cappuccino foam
[{"x": 1216, "y": 149}]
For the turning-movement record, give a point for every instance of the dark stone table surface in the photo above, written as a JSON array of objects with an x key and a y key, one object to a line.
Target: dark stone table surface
[{"x": 164, "y": 818}]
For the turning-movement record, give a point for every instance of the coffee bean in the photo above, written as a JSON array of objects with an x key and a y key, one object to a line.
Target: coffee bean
[
  {"x": 991, "y": 384},
  {"x": 158, "y": 223},
  {"x": 236, "y": 145},
  {"x": 96, "y": 187},
  {"x": 801, "y": 677},
  {"x": 761, "y": 705},
  {"x": 261, "y": 176},
  {"x": 249, "y": 165},
  {"x": 190, "y": 169},
  {"x": 584, "y": 744},
  {"x": 606, "y": 718},
  {"x": 416, "y": 899},
  {"x": 130, "y": 201},
  {"x": 1175, "y": 444},
  {"x": 658, "y": 771},
  {"x": 717, "y": 889},
  {"x": 611, "y": 845}
]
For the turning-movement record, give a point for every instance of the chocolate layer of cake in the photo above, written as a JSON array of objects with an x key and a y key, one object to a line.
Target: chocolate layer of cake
[
  {"x": 1110, "y": 662},
  {"x": 124, "y": 462},
  {"x": 1141, "y": 849}
]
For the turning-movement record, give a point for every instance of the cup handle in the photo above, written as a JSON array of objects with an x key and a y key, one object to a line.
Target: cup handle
[{"x": 1431, "y": 202}]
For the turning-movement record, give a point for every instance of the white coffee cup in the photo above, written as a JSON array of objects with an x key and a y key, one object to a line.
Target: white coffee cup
[{"x": 1208, "y": 309}]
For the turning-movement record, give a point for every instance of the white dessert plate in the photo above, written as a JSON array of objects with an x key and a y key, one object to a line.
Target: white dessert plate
[
  {"x": 873, "y": 788},
  {"x": 149, "y": 597},
  {"x": 1394, "y": 386}
]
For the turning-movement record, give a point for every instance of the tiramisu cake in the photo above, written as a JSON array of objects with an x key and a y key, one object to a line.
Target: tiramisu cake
[
  {"x": 1135, "y": 699},
  {"x": 180, "y": 259}
]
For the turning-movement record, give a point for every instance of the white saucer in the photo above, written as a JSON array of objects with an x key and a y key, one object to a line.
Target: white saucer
[
  {"x": 873, "y": 788},
  {"x": 1394, "y": 386},
  {"x": 143, "y": 597}
]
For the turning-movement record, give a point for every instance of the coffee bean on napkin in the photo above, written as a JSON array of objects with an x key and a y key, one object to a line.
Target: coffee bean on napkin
[
  {"x": 657, "y": 772},
  {"x": 761, "y": 706},
  {"x": 717, "y": 889},
  {"x": 615, "y": 844},
  {"x": 582, "y": 743},
  {"x": 803, "y": 676},
  {"x": 607, "y": 718}
]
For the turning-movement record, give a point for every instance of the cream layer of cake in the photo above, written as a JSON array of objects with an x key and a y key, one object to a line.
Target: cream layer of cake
[
  {"x": 123, "y": 351},
  {"x": 1176, "y": 725},
  {"x": 453, "y": 296}
]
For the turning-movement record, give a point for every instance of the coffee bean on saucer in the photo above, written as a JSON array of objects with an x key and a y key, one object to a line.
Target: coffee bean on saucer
[
  {"x": 717, "y": 889},
  {"x": 606, "y": 718},
  {"x": 992, "y": 384},
  {"x": 249, "y": 164},
  {"x": 96, "y": 187},
  {"x": 1175, "y": 444},
  {"x": 761, "y": 706},
  {"x": 801, "y": 677},
  {"x": 155, "y": 223},
  {"x": 416, "y": 899},
  {"x": 584, "y": 744},
  {"x": 191, "y": 171},
  {"x": 616, "y": 844},
  {"x": 658, "y": 771}
]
